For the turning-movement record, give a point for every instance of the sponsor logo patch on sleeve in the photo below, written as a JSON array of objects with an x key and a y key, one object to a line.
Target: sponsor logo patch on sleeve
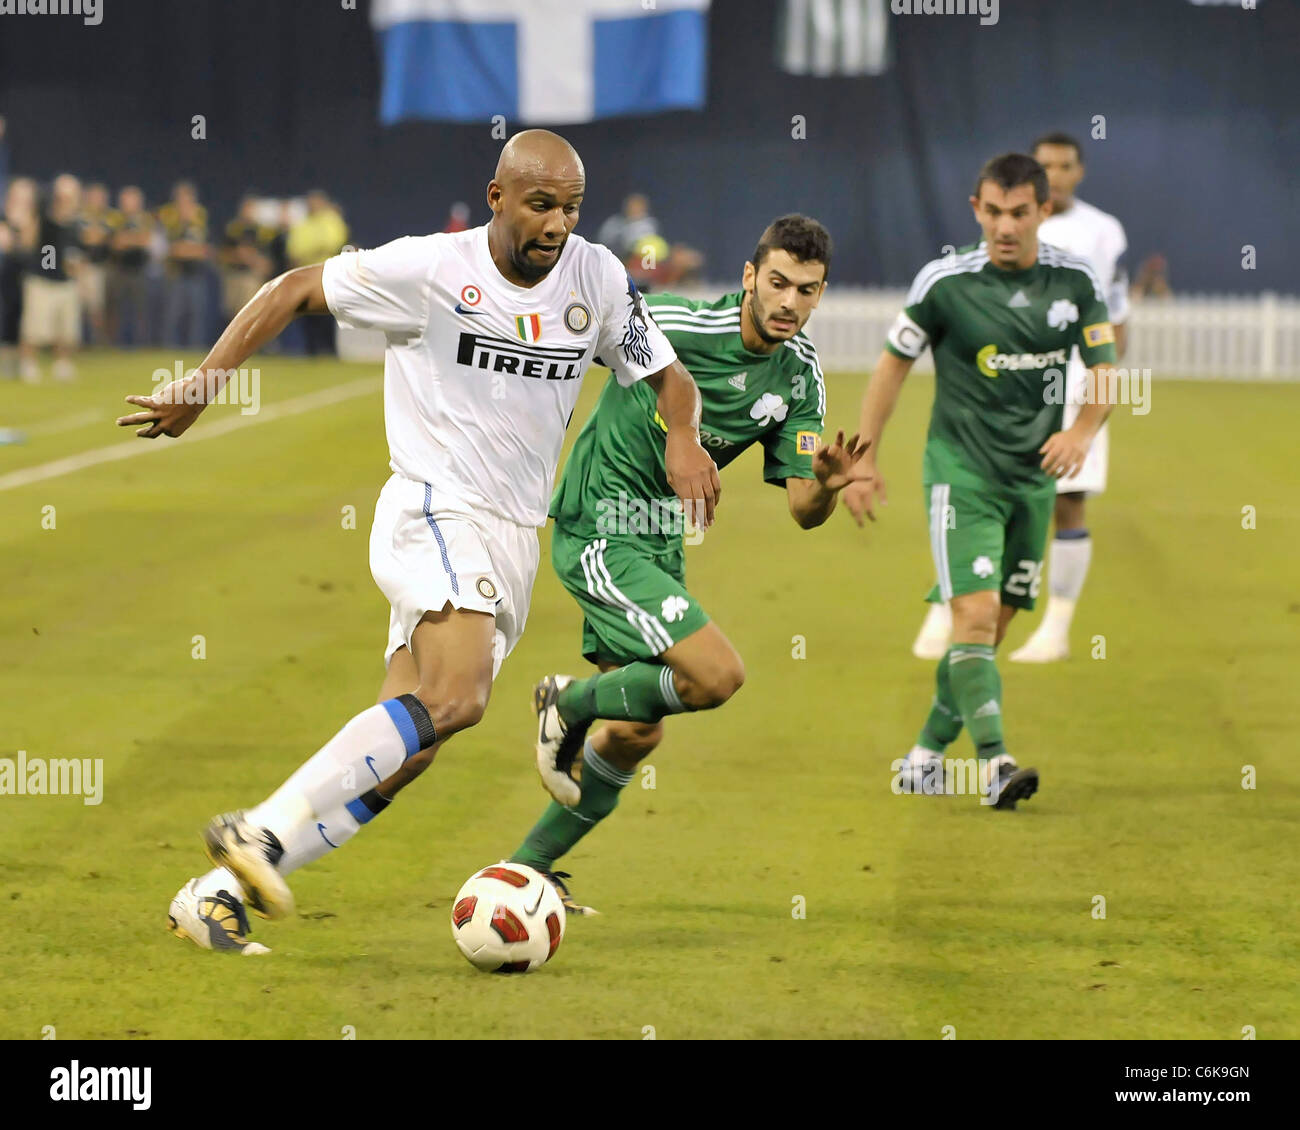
[
  {"x": 1103, "y": 333},
  {"x": 807, "y": 442}
]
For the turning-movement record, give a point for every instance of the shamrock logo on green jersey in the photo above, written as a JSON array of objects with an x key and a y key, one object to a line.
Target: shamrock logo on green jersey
[
  {"x": 982, "y": 566},
  {"x": 1062, "y": 313},
  {"x": 769, "y": 407},
  {"x": 673, "y": 608}
]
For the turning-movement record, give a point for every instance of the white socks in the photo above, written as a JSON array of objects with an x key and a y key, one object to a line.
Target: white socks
[
  {"x": 1067, "y": 569},
  {"x": 1067, "y": 564},
  {"x": 369, "y": 749},
  {"x": 320, "y": 806}
]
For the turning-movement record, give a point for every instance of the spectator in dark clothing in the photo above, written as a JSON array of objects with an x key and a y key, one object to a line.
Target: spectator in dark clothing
[
  {"x": 93, "y": 235},
  {"x": 128, "y": 264},
  {"x": 19, "y": 228},
  {"x": 245, "y": 265},
  {"x": 185, "y": 223},
  {"x": 51, "y": 303},
  {"x": 4, "y": 161}
]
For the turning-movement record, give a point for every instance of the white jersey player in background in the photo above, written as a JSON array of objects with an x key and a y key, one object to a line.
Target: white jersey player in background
[
  {"x": 489, "y": 332},
  {"x": 1081, "y": 229}
]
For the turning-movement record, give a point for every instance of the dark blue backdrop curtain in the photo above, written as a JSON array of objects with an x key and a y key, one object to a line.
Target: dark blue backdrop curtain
[{"x": 1200, "y": 107}]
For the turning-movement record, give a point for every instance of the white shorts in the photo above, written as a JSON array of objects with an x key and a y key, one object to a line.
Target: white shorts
[
  {"x": 51, "y": 312},
  {"x": 428, "y": 550},
  {"x": 92, "y": 286},
  {"x": 1091, "y": 477}
]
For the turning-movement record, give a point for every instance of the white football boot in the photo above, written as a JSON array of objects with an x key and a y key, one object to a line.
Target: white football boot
[
  {"x": 250, "y": 854},
  {"x": 211, "y": 922},
  {"x": 558, "y": 745},
  {"x": 922, "y": 772},
  {"x": 1050, "y": 642}
]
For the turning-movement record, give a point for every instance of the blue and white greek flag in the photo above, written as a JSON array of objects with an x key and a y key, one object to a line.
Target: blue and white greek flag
[{"x": 539, "y": 62}]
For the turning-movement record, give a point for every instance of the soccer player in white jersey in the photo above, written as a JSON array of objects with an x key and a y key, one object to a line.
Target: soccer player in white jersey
[
  {"x": 1081, "y": 229},
  {"x": 489, "y": 332}
]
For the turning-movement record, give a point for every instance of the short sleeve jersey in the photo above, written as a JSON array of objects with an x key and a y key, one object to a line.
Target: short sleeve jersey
[
  {"x": 774, "y": 399},
  {"x": 481, "y": 376},
  {"x": 1001, "y": 342},
  {"x": 1098, "y": 237}
]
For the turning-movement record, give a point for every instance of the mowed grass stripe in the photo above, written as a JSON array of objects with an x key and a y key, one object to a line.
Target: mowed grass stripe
[{"x": 117, "y": 452}]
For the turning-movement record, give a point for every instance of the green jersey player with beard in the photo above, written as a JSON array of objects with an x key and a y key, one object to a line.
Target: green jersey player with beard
[{"x": 617, "y": 544}]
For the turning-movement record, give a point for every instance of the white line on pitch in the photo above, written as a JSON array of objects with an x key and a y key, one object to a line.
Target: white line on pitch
[{"x": 127, "y": 450}]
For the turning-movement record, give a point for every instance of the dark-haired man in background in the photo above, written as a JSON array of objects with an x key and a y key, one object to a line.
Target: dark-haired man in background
[
  {"x": 245, "y": 263},
  {"x": 94, "y": 232},
  {"x": 1001, "y": 317},
  {"x": 128, "y": 266},
  {"x": 1082, "y": 229},
  {"x": 185, "y": 222}
]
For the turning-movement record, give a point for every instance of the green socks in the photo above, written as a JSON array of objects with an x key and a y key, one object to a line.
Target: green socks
[
  {"x": 944, "y": 723},
  {"x": 639, "y": 692},
  {"x": 560, "y": 828},
  {"x": 977, "y": 691}
]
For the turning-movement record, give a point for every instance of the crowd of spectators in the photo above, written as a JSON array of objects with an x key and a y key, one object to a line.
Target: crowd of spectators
[{"x": 77, "y": 267}]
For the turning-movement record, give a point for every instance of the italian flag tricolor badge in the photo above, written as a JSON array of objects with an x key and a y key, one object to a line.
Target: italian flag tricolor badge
[{"x": 528, "y": 327}]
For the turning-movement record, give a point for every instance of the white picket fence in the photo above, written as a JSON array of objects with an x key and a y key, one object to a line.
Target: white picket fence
[{"x": 1239, "y": 338}]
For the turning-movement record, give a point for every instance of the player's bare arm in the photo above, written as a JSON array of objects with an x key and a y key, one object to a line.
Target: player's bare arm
[
  {"x": 836, "y": 465},
  {"x": 175, "y": 406},
  {"x": 691, "y": 471},
  {"x": 1121, "y": 340},
  {"x": 877, "y": 406},
  {"x": 1064, "y": 452}
]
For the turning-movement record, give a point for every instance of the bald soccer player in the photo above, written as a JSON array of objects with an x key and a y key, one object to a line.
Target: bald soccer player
[{"x": 489, "y": 333}]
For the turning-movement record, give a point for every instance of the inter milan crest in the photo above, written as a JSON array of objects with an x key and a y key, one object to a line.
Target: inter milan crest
[{"x": 576, "y": 318}]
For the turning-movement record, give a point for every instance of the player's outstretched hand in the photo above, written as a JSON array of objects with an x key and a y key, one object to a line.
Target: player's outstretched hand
[
  {"x": 837, "y": 464},
  {"x": 168, "y": 412},
  {"x": 1063, "y": 453},
  {"x": 863, "y": 495},
  {"x": 694, "y": 478}
]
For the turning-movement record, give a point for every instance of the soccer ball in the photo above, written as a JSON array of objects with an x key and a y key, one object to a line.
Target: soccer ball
[{"x": 507, "y": 918}]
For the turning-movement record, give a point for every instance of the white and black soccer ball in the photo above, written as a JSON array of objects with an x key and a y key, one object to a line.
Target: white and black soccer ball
[{"x": 508, "y": 918}]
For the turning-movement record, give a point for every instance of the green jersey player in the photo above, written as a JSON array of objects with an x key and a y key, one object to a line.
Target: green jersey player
[
  {"x": 617, "y": 544},
  {"x": 1001, "y": 318}
]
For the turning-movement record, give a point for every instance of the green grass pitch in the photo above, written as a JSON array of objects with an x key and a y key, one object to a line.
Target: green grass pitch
[{"x": 921, "y": 913}]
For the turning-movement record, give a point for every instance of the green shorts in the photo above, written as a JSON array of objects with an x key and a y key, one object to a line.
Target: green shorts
[
  {"x": 634, "y": 604},
  {"x": 989, "y": 539}
]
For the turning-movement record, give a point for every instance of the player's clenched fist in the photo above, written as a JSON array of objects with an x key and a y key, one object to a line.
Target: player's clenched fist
[{"x": 693, "y": 476}]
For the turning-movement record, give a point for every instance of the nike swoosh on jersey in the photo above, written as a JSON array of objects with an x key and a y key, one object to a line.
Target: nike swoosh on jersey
[{"x": 461, "y": 308}]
